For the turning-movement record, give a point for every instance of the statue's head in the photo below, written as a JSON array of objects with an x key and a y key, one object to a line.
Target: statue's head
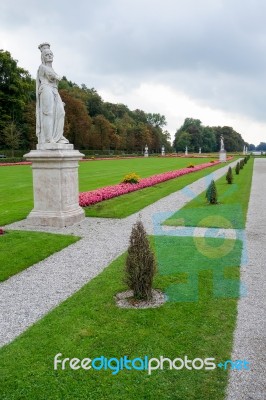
[
  {"x": 47, "y": 54},
  {"x": 44, "y": 46}
]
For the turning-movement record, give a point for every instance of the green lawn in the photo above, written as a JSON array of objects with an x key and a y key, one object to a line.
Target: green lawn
[
  {"x": 20, "y": 250},
  {"x": 16, "y": 199},
  {"x": 90, "y": 325},
  {"x": 123, "y": 206},
  {"x": 229, "y": 213},
  {"x": 95, "y": 174}
]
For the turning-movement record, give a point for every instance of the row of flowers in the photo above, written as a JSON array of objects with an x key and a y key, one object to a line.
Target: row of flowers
[
  {"x": 108, "y": 192},
  {"x": 9, "y": 164}
]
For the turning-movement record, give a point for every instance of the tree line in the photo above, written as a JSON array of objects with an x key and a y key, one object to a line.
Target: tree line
[
  {"x": 94, "y": 124},
  {"x": 193, "y": 135},
  {"x": 260, "y": 147},
  {"x": 90, "y": 122}
]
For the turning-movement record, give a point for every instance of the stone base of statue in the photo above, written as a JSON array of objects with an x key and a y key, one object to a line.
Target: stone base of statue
[
  {"x": 146, "y": 154},
  {"x": 222, "y": 156},
  {"x": 55, "y": 185},
  {"x": 163, "y": 153}
]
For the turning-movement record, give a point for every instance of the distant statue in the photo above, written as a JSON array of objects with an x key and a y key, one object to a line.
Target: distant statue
[
  {"x": 50, "y": 113},
  {"x": 222, "y": 143},
  {"x": 146, "y": 153}
]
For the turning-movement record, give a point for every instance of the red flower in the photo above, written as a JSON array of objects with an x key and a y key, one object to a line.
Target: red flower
[{"x": 2, "y": 231}]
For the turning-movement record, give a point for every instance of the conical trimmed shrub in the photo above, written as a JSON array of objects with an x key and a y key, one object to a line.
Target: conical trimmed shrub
[
  {"x": 237, "y": 168},
  {"x": 229, "y": 176},
  {"x": 211, "y": 193},
  {"x": 140, "y": 264}
]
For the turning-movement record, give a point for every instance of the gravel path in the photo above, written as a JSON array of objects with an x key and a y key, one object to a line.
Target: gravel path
[
  {"x": 29, "y": 295},
  {"x": 250, "y": 334}
]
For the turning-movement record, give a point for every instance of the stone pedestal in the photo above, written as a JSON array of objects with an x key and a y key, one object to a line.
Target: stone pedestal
[
  {"x": 222, "y": 156},
  {"x": 55, "y": 185}
]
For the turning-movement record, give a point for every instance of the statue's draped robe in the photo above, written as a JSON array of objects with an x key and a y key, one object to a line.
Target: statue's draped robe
[{"x": 50, "y": 113}]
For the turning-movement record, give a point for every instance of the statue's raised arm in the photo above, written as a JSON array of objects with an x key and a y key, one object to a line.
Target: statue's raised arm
[{"x": 50, "y": 113}]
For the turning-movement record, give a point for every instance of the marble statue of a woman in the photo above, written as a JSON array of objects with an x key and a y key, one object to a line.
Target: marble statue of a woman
[{"x": 50, "y": 113}]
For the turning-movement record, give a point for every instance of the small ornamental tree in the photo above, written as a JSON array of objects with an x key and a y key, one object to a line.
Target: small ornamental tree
[
  {"x": 229, "y": 176},
  {"x": 241, "y": 164},
  {"x": 237, "y": 168},
  {"x": 211, "y": 193},
  {"x": 140, "y": 264}
]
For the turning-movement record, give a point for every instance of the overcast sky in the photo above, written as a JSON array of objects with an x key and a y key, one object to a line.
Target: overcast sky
[{"x": 202, "y": 59}]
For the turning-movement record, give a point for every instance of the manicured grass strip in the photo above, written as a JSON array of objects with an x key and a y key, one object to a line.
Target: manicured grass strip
[
  {"x": 123, "y": 206},
  {"x": 16, "y": 200},
  {"x": 231, "y": 211},
  {"x": 108, "y": 192},
  {"x": 90, "y": 325},
  {"x": 20, "y": 250},
  {"x": 96, "y": 174}
]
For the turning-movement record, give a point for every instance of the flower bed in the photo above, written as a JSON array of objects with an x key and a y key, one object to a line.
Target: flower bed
[
  {"x": 108, "y": 192},
  {"x": 8, "y": 164}
]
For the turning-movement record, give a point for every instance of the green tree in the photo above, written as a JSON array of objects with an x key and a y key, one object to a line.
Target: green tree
[
  {"x": 208, "y": 140},
  {"x": 211, "y": 193},
  {"x": 252, "y": 147},
  {"x": 261, "y": 146},
  {"x": 94, "y": 101},
  {"x": 192, "y": 127},
  {"x": 12, "y": 136},
  {"x": 15, "y": 90},
  {"x": 233, "y": 141},
  {"x": 183, "y": 141},
  {"x": 140, "y": 264},
  {"x": 229, "y": 176},
  {"x": 166, "y": 141},
  {"x": 156, "y": 120},
  {"x": 28, "y": 127}
]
